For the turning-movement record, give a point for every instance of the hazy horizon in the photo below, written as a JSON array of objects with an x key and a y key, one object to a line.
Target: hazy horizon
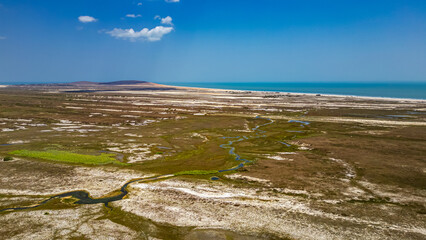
[
  {"x": 226, "y": 82},
  {"x": 406, "y": 90}
]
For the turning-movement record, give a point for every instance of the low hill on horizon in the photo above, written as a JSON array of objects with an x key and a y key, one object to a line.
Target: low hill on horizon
[
  {"x": 88, "y": 86},
  {"x": 121, "y": 82},
  {"x": 126, "y": 82}
]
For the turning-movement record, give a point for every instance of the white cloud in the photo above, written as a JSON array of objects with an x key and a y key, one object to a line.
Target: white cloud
[
  {"x": 172, "y": 1},
  {"x": 2, "y": 38},
  {"x": 167, "y": 20},
  {"x": 140, "y": 4},
  {"x": 151, "y": 35},
  {"x": 157, "y": 17},
  {"x": 133, "y": 15},
  {"x": 87, "y": 19}
]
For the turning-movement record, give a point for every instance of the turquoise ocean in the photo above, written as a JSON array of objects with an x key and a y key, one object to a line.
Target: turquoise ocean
[
  {"x": 393, "y": 90},
  {"x": 388, "y": 90}
]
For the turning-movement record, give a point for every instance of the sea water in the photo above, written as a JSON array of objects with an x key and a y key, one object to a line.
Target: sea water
[{"x": 390, "y": 90}]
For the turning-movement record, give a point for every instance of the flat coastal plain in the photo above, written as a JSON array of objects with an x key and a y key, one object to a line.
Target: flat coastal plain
[{"x": 138, "y": 160}]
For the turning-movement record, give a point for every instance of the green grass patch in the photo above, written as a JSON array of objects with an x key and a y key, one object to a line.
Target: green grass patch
[
  {"x": 69, "y": 157},
  {"x": 197, "y": 172}
]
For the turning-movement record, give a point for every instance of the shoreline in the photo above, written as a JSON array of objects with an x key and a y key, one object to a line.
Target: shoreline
[
  {"x": 277, "y": 92},
  {"x": 308, "y": 94}
]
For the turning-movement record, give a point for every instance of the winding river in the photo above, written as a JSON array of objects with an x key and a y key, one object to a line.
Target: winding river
[{"x": 85, "y": 198}]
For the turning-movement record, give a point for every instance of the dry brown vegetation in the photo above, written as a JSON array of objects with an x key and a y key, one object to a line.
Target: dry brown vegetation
[{"x": 357, "y": 171}]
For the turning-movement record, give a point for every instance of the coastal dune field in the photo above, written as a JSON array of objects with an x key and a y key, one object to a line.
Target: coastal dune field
[{"x": 138, "y": 160}]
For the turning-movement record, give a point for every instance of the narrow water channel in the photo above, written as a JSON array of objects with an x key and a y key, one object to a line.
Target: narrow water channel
[{"x": 85, "y": 198}]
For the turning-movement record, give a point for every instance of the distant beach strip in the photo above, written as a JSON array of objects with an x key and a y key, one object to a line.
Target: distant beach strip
[{"x": 386, "y": 90}]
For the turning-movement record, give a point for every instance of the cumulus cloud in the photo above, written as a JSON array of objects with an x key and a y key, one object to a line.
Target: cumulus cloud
[
  {"x": 87, "y": 19},
  {"x": 133, "y": 15},
  {"x": 152, "y": 35},
  {"x": 140, "y": 4},
  {"x": 172, "y": 1},
  {"x": 167, "y": 20}
]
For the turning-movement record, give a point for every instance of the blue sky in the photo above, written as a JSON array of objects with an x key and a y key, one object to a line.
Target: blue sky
[{"x": 213, "y": 40}]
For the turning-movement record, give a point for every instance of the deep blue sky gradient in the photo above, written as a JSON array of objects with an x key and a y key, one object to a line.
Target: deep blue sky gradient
[{"x": 215, "y": 41}]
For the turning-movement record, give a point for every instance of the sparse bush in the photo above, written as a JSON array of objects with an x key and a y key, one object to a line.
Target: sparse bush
[{"x": 8, "y": 158}]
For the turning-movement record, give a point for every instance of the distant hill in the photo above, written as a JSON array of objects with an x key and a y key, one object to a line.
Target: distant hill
[
  {"x": 115, "y": 83},
  {"x": 125, "y": 82},
  {"x": 82, "y": 83},
  {"x": 88, "y": 86}
]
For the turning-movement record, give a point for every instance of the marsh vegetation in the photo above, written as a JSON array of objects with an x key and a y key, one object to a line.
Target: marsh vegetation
[{"x": 344, "y": 166}]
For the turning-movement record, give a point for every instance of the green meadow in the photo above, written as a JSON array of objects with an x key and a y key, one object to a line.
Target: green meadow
[
  {"x": 69, "y": 157},
  {"x": 196, "y": 172}
]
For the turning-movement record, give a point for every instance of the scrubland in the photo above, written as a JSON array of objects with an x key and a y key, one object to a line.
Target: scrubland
[{"x": 317, "y": 167}]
